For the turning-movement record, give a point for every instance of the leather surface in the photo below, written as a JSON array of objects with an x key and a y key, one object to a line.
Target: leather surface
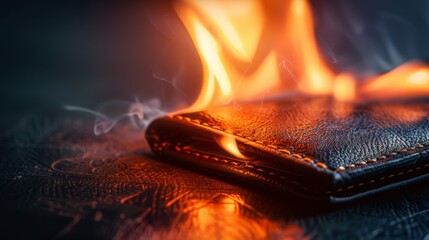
[
  {"x": 58, "y": 180},
  {"x": 336, "y": 134},
  {"x": 339, "y": 145}
]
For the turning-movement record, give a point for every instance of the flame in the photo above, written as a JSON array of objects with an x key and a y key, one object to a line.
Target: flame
[
  {"x": 344, "y": 87},
  {"x": 249, "y": 49},
  {"x": 229, "y": 144},
  {"x": 313, "y": 70},
  {"x": 245, "y": 49},
  {"x": 407, "y": 80}
]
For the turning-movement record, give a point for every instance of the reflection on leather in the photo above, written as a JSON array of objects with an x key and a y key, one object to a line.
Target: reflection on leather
[
  {"x": 61, "y": 181},
  {"x": 337, "y": 134}
]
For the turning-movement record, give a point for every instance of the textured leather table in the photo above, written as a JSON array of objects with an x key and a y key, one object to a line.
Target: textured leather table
[{"x": 59, "y": 180}]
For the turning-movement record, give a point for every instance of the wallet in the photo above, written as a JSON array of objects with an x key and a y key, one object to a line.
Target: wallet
[{"x": 310, "y": 147}]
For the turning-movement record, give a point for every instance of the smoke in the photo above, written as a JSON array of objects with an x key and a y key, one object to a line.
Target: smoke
[
  {"x": 371, "y": 37},
  {"x": 168, "y": 88},
  {"x": 139, "y": 114},
  {"x": 359, "y": 37}
]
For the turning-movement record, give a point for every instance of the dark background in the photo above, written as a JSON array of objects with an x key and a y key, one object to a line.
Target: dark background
[
  {"x": 87, "y": 54},
  {"x": 59, "y": 180}
]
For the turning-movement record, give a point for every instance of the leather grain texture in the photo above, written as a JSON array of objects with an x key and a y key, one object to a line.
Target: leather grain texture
[
  {"x": 60, "y": 181},
  {"x": 340, "y": 150}
]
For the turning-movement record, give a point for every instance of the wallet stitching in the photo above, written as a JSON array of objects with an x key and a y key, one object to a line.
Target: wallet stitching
[
  {"x": 248, "y": 167},
  {"x": 297, "y": 156},
  {"x": 273, "y": 174}
]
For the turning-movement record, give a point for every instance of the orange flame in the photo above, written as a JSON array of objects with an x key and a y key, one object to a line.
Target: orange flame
[
  {"x": 245, "y": 50},
  {"x": 229, "y": 144},
  {"x": 249, "y": 49},
  {"x": 408, "y": 80}
]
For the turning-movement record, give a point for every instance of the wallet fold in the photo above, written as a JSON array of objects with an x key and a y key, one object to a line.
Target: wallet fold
[{"x": 309, "y": 147}]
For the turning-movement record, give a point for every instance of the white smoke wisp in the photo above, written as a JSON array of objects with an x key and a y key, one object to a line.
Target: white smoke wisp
[
  {"x": 372, "y": 37},
  {"x": 140, "y": 114}
]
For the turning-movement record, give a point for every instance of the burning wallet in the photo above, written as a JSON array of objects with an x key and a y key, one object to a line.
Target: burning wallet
[{"x": 311, "y": 147}]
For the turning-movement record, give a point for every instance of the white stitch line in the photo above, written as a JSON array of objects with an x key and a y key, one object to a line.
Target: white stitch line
[
  {"x": 382, "y": 178},
  {"x": 248, "y": 166},
  {"x": 298, "y": 156},
  {"x": 305, "y": 188}
]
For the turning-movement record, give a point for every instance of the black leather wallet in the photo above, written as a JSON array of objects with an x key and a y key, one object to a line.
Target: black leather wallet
[{"x": 310, "y": 147}]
